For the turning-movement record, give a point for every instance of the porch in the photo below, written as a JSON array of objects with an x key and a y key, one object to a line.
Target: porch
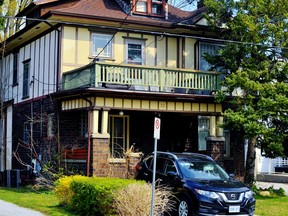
[{"x": 142, "y": 78}]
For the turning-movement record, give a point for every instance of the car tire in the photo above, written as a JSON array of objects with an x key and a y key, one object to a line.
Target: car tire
[{"x": 184, "y": 207}]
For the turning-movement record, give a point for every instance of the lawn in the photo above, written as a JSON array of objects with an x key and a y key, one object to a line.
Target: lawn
[
  {"x": 47, "y": 202},
  {"x": 266, "y": 206}
]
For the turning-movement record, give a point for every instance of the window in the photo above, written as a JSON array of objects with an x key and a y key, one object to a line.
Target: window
[
  {"x": 119, "y": 135},
  {"x": 134, "y": 52},
  {"x": 26, "y": 132},
  {"x": 26, "y": 71},
  {"x": 101, "y": 45},
  {"x": 227, "y": 143},
  {"x": 15, "y": 68},
  {"x": 149, "y": 7},
  {"x": 210, "y": 49},
  {"x": 141, "y": 6},
  {"x": 157, "y": 7},
  {"x": 50, "y": 125},
  {"x": 84, "y": 124},
  {"x": 203, "y": 132}
]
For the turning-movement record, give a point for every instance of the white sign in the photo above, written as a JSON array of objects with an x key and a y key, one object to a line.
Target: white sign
[{"x": 157, "y": 124}]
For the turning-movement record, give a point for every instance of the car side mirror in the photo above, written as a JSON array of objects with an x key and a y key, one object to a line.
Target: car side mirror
[
  {"x": 232, "y": 176},
  {"x": 171, "y": 174}
]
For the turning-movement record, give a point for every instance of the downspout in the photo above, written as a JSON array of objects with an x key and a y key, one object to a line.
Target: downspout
[{"x": 90, "y": 112}]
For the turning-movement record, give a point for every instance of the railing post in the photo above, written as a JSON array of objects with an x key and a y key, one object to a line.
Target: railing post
[
  {"x": 162, "y": 80},
  {"x": 97, "y": 74}
]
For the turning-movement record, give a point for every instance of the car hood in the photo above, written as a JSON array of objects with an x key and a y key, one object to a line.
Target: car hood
[{"x": 217, "y": 185}]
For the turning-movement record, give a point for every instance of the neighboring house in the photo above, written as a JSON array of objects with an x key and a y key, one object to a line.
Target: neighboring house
[{"x": 103, "y": 69}]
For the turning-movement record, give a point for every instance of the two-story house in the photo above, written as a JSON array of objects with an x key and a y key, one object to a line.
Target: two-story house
[{"x": 93, "y": 74}]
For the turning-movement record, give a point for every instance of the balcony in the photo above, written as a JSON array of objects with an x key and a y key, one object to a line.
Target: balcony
[{"x": 142, "y": 78}]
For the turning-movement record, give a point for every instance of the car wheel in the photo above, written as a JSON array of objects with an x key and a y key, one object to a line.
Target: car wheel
[{"x": 184, "y": 206}]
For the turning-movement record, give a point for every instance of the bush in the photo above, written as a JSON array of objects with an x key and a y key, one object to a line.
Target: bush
[
  {"x": 89, "y": 195},
  {"x": 63, "y": 188},
  {"x": 270, "y": 191},
  {"x": 135, "y": 200}
]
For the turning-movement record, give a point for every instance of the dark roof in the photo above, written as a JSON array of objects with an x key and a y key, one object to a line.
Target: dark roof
[{"x": 110, "y": 9}]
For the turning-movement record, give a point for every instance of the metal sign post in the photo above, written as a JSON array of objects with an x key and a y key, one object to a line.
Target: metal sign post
[{"x": 157, "y": 123}]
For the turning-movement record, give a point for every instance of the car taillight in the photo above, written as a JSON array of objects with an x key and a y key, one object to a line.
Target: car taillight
[{"x": 138, "y": 167}]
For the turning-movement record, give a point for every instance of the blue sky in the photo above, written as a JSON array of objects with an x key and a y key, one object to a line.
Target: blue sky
[{"x": 181, "y": 3}]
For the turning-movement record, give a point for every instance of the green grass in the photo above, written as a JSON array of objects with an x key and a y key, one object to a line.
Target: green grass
[
  {"x": 47, "y": 202},
  {"x": 267, "y": 206}
]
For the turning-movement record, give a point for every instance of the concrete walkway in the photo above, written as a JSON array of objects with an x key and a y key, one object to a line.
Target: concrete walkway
[{"x": 9, "y": 209}]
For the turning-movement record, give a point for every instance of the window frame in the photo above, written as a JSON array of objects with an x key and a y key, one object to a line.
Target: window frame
[
  {"x": 135, "y": 42},
  {"x": 15, "y": 68},
  {"x": 83, "y": 124},
  {"x": 149, "y": 7},
  {"x": 26, "y": 78},
  {"x": 126, "y": 135},
  {"x": 202, "y": 144},
  {"x": 201, "y": 61},
  {"x": 108, "y": 50},
  {"x": 51, "y": 125}
]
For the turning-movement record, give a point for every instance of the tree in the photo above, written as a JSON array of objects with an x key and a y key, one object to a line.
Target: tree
[
  {"x": 8, "y": 24},
  {"x": 254, "y": 60}
]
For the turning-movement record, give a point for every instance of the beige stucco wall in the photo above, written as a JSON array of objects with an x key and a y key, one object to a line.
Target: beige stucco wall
[{"x": 162, "y": 51}]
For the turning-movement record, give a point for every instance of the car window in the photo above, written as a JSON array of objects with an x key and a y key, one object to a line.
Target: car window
[
  {"x": 207, "y": 170},
  {"x": 159, "y": 165},
  {"x": 169, "y": 167}
]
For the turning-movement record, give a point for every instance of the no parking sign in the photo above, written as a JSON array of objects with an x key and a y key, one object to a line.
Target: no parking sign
[{"x": 157, "y": 124}]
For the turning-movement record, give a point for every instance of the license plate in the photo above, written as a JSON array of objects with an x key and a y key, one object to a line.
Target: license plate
[{"x": 234, "y": 209}]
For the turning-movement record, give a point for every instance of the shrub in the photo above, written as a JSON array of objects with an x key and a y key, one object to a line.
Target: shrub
[
  {"x": 135, "y": 200},
  {"x": 89, "y": 195},
  {"x": 63, "y": 188},
  {"x": 271, "y": 190}
]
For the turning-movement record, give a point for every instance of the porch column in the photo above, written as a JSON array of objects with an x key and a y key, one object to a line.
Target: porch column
[
  {"x": 219, "y": 130},
  {"x": 212, "y": 126},
  {"x": 100, "y": 144},
  {"x": 104, "y": 125},
  {"x": 95, "y": 123}
]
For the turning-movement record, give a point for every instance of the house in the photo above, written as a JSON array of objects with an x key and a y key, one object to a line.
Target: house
[{"x": 83, "y": 80}]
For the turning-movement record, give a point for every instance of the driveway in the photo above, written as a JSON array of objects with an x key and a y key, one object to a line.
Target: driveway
[{"x": 9, "y": 209}]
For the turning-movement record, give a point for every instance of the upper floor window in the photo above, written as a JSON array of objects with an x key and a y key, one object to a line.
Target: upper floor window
[
  {"x": 26, "y": 72},
  {"x": 134, "y": 52},
  {"x": 207, "y": 48},
  {"x": 15, "y": 68},
  {"x": 149, "y": 7},
  {"x": 101, "y": 45}
]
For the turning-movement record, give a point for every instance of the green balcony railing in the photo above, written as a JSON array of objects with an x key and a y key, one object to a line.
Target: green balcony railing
[{"x": 143, "y": 78}]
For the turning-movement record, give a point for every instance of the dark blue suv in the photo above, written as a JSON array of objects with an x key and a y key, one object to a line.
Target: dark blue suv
[{"x": 201, "y": 185}]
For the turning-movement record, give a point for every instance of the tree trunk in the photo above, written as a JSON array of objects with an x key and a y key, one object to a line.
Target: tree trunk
[{"x": 250, "y": 162}]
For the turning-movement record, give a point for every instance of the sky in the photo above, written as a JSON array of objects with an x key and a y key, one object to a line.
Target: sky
[{"x": 188, "y": 5}]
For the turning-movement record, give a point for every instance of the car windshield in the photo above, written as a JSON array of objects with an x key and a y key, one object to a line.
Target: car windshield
[{"x": 204, "y": 170}]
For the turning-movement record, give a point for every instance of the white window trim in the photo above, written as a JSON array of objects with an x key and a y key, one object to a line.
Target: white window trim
[
  {"x": 138, "y": 42},
  {"x": 102, "y": 54}
]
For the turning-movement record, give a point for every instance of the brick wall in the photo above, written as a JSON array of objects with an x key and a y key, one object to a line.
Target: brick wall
[{"x": 35, "y": 110}]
